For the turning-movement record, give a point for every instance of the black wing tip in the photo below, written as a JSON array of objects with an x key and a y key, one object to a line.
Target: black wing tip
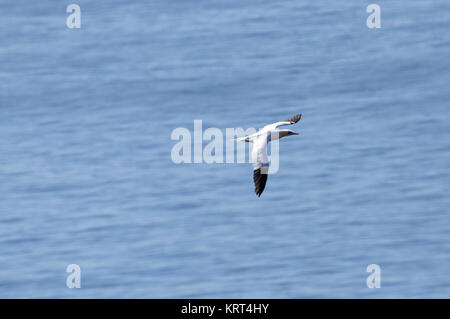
[
  {"x": 260, "y": 180},
  {"x": 295, "y": 118}
]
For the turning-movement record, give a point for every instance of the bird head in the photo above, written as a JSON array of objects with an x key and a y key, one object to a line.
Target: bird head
[{"x": 284, "y": 133}]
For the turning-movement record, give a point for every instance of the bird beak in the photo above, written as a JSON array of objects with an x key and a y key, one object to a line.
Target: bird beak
[{"x": 295, "y": 133}]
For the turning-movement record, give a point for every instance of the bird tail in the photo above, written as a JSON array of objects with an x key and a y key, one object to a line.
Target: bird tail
[{"x": 242, "y": 139}]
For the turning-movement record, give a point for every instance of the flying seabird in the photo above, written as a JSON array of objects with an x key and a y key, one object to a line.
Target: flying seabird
[{"x": 259, "y": 152}]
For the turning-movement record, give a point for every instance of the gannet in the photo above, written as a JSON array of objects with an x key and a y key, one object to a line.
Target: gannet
[{"x": 260, "y": 140}]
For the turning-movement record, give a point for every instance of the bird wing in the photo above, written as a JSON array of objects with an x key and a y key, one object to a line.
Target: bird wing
[
  {"x": 292, "y": 120},
  {"x": 260, "y": 179},
  {"x": 250, "y": 138},
  {"x": 260, "y": 163}
]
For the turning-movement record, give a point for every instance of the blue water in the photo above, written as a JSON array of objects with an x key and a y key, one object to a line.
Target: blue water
[{"x": 86, "y": 175}]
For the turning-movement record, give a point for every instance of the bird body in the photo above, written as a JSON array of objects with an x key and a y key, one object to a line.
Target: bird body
[
  {"x": 259, "y": 150},
  {"x": 260, "y": 141}
]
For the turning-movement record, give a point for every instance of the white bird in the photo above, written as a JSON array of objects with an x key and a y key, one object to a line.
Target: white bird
[{"x": 260, "y": 140}]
